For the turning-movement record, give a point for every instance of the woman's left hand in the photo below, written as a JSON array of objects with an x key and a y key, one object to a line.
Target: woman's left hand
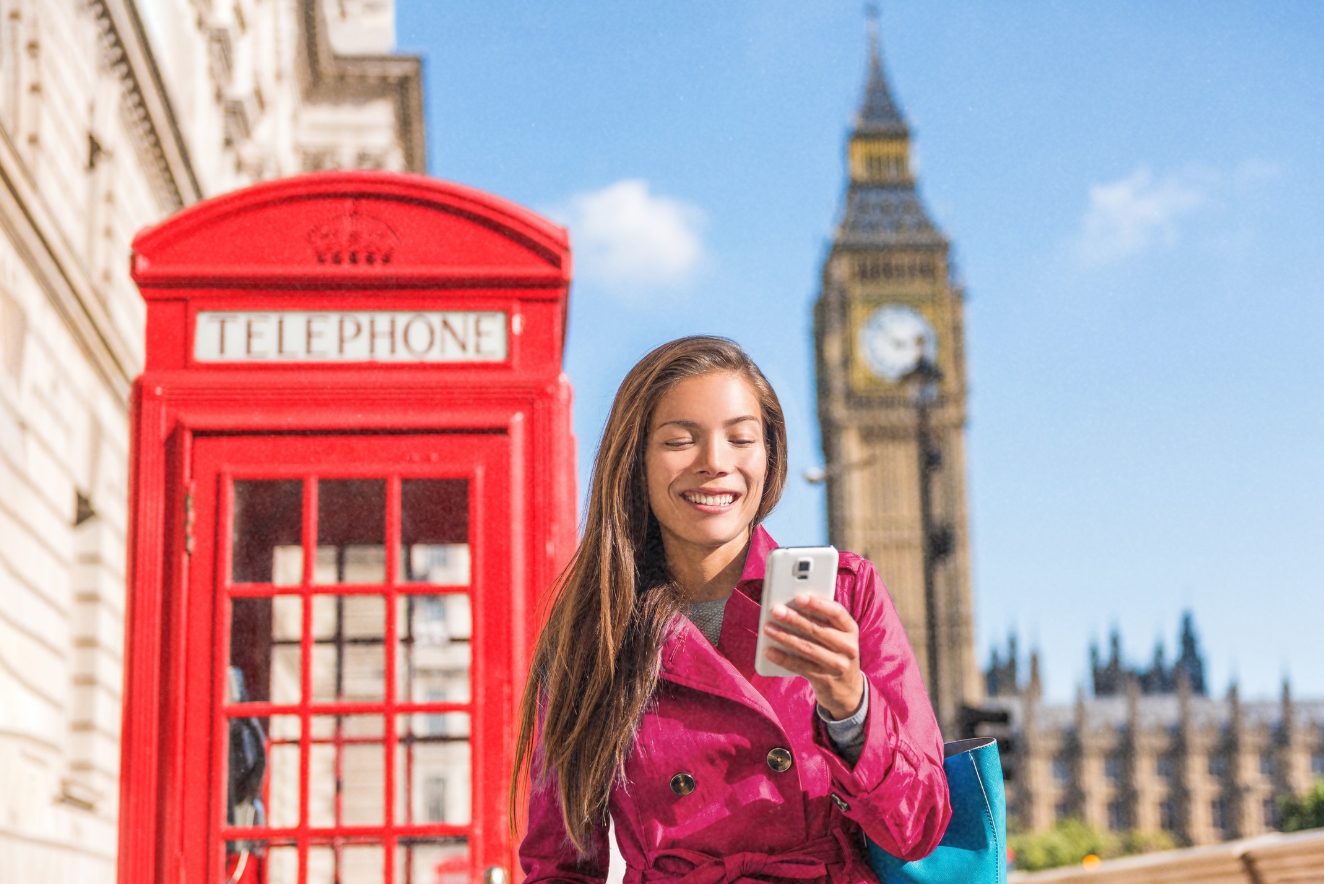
[{"x": 824, "y": 644}]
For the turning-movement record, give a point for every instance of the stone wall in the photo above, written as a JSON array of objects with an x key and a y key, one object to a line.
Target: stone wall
[{"x": 114, "y": 114}]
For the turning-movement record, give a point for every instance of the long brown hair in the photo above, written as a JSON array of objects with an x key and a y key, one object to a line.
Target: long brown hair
[{"x": 595, "y": 666}]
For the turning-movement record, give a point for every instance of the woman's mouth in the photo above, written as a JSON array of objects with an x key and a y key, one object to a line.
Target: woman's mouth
[{"x": 718, "y": 499}]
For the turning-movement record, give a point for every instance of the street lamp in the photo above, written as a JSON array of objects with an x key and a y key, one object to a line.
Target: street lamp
[{"x": 923, "y": 380}]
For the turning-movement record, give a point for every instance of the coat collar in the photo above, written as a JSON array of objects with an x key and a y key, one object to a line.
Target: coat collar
[
  {"x": 756, "y": 562},
  {"x": 688, "y": 658}
]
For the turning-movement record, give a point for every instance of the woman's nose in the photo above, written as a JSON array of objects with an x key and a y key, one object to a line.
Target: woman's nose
[{"x": 712, "y": 458}]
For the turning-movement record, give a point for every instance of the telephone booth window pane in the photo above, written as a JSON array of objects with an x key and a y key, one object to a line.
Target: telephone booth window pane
[
  {"x": 436, "y": 652},
  {"x": 441, "y": 861},
  {"x": 286, "y": 652},
  {"x": 348, "y": 652},
  {"x": 284, "y": 728},
  {"x": 351, "y": 531},
  {"x": 433, "y": 763},
  {"x": 434, "y": 531},
  {"x": 322, "y": 786},
  {"x": 362, "y": 863},
  {"x": 348, "y": 728},
  {"x": 333, "y": 864},
  {"x": 283, "y": 785},
  {"x": 264, "y": 649},
  {"x": 347, "y": 773},
  {"x": 322, "y": 865},
  {"x": 345, "y": 784},
  {"x": 283, "y": 771},
  {"x": 283, "y": 865},
  {"x": 363, "y": 784},
  {"x": 285, "y": 683},
  {"x": 267, "y": 532},
  {"x": 287, "y": 565}
]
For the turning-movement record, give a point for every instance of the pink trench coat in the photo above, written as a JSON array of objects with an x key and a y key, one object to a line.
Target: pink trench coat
[{"x": 721, "y": 723}]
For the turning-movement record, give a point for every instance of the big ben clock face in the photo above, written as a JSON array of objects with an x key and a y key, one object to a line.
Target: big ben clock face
[{"x": 894, "y": 339}]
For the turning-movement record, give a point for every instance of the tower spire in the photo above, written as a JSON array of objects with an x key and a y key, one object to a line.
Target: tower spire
[
  {"x": 871, "y": 31},
  {"x": 879, "y": 114}
]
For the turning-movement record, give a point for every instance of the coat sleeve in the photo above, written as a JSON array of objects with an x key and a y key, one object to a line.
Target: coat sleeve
[
  {"x": 547, "y": 853},
  {"x": 897, "y": 790}
]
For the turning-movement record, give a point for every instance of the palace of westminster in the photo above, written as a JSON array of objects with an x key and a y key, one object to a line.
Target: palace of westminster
[{"x": 1146, "y": 749}]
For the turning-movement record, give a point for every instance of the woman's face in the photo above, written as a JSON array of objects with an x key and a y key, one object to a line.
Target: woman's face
[{"x": 706, "y": 461}]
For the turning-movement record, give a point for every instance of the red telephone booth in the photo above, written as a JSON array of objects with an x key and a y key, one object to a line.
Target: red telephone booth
[{"x": 352, "y": 477}]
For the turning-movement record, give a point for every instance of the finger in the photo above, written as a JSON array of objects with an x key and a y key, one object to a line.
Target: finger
[
  {"x": 826, "y": 610},
  {"x": 831, "y": 661},
  {"x": 839, "y": 640},
  {"x": 797, "y": 664},
  {"x": 834, "y": 640}
]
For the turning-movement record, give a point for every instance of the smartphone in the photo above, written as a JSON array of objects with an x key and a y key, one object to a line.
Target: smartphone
[{"x": 791, "y": 571}]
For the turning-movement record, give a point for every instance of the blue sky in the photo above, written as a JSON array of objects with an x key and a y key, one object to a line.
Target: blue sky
[{"x": 1135, "y": 192}]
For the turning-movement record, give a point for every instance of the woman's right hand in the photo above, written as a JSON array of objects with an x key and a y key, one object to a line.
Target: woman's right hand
[{"x": 823, "y": 642}]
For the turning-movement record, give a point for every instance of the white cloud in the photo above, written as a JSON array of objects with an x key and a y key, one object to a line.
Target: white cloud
[
  {"x": 630, "y": 239},
  {"x": 1127, "y": 216}
]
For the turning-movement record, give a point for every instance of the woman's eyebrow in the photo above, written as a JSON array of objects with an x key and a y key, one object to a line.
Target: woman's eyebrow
[{"x": 690, "y": 425}]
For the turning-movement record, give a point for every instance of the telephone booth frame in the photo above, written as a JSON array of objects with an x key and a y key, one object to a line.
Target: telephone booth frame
[{"x": 256, "y": 385}]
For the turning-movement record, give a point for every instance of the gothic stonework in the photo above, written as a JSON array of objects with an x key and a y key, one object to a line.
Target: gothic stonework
[
  {"x": 1150, "y": 751},
  {"x": 1204, "y": 770},
  {"x": 889, "y": 303}
]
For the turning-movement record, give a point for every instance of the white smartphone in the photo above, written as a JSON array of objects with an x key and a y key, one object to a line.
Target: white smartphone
[{"x": 790, "y": 572}]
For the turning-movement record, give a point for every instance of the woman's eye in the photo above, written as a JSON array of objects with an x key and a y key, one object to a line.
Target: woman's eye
[
  {"x": 743, "y": 443},
  {"x": 677, "y": 443}
]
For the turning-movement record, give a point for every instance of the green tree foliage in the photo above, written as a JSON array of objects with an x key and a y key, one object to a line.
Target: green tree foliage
[
  {"x": 1067, "y": 843},
  {"x": 1138, "y": 841},
  {"x": 1070, "y": 841},
  {"x": 1306, "y": 812}
]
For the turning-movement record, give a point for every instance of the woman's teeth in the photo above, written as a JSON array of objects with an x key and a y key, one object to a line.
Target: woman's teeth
[{"x": 711, "y": 499}]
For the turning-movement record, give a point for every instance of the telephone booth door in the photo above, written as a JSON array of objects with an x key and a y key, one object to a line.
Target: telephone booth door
[{"x": 347, "y": 584}]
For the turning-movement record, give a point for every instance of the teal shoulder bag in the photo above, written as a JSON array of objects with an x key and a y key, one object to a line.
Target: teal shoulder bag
[{"x": 974, "y": 849}]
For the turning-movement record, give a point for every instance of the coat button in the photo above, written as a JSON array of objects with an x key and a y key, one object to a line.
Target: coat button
[
  {"x": 682, "y": 784},
  {"x": 779, "y": 760},
  {"x": 841, "y": 805}
]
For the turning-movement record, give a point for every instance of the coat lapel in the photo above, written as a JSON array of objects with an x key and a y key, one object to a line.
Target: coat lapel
[
  {"x": 740, "y": 636},
  {"x": 688, "y": 659}
]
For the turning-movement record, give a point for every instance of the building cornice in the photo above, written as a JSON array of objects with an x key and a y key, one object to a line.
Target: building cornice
[
  {"x": 128, "y": 55},
  {"x": 399, "y": 77}
]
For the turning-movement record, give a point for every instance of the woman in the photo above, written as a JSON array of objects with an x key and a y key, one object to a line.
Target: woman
[{"x": 644, "y": 704}]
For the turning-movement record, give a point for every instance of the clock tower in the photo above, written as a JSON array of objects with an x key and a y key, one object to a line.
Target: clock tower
[{"x": 889, "y": 341}]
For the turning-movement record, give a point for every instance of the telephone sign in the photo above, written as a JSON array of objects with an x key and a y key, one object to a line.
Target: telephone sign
[
  {"x": 352, "y": 478},
  {"x": 399, "y": 336}
]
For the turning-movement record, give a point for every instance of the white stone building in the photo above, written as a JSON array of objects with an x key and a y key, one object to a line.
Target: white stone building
[{"x": 113, "y": 115}]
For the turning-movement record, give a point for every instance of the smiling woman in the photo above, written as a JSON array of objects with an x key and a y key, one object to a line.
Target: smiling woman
[{"x": 644, "y": 706}]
